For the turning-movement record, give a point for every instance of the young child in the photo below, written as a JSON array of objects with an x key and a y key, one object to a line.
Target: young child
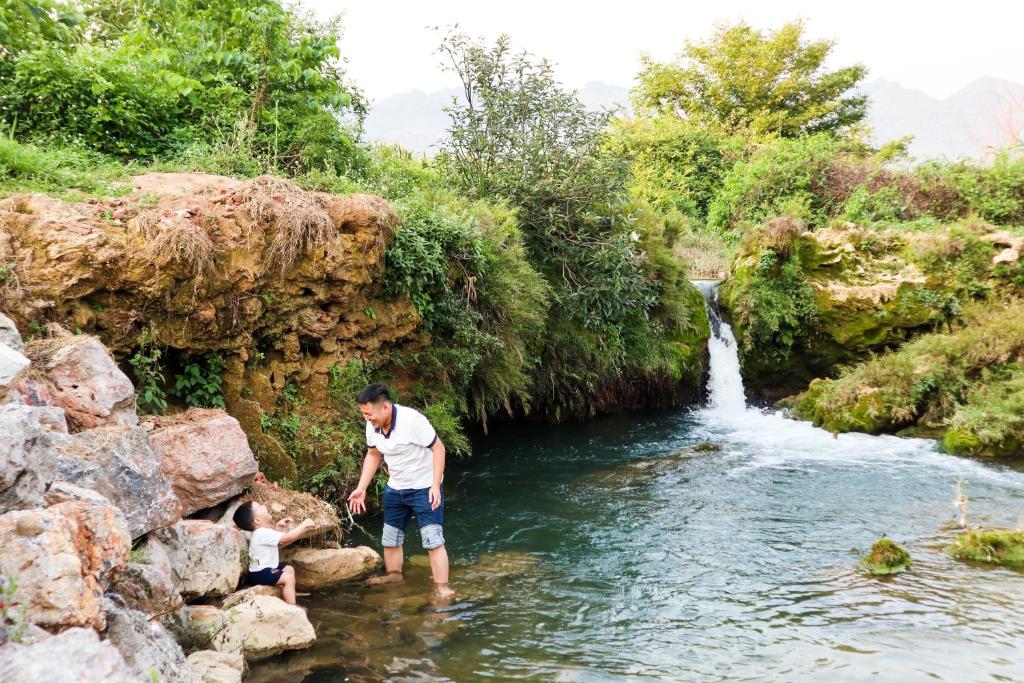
[{"x": 265, "y": 566}]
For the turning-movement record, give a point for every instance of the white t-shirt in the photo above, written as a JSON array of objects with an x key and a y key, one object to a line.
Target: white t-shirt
[
  {"x": 263, "y": 549},
  {"x": 406, "y": 448}
]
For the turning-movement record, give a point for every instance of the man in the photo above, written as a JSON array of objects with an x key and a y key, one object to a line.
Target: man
[{"x": 407, "y": 442}]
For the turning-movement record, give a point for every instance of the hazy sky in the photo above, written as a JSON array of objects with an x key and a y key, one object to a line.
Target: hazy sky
[{"x": 934, "y": 46}]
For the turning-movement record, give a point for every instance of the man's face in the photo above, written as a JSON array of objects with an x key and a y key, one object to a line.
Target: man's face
[{"x": 377, "y": 413}]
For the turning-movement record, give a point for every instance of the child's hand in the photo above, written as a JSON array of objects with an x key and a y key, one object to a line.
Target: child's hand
[
  {"x": 285, "y": 523},
  {"x": 308, "y": 523}
]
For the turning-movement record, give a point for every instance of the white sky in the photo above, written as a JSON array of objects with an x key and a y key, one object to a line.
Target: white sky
[{"x": 937, "y": 46}]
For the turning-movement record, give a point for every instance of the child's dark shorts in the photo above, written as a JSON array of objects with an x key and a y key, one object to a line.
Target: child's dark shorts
[{"x": 268, "y": 576}]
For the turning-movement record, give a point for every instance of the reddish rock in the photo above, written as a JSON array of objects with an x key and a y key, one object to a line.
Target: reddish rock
[
  {"x": 205, "y": 456},
  {"x": 85, "y": 381},
  {"x": 61, "y": 559}
]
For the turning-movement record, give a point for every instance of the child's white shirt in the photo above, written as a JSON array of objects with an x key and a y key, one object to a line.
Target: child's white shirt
[{"x": 263, "y": 549}]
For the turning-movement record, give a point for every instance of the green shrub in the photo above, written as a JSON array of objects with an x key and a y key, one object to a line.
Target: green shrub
[
  {"x": 150, "y": 396},
  {"x": 200, "y": 383}
]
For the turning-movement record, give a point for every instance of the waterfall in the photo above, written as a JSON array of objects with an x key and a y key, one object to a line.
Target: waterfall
[{"x": 725, "y": 385}]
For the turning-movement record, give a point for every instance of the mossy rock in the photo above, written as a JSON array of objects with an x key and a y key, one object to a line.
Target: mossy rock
[
  {"x": 706, "y": 447},
  {"x": 886, "y": 557},
  {"x": 960, "y": 442},
  {"x": 993, "y": 546}
]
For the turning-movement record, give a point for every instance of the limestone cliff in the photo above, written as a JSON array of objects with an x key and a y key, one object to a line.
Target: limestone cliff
[{"x": 281, "y": 283}]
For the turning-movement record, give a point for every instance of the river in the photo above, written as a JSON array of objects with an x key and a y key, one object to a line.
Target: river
[{"x": 616, "y": 551}]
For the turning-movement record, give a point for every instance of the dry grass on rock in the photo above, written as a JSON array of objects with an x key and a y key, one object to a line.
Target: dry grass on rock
[{"x": 298, "y": 218}]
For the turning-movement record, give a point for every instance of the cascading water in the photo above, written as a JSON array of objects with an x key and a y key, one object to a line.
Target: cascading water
[{"x": 725, "y": 384}]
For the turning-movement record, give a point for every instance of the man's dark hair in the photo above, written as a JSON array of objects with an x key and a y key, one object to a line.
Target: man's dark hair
[
  {"x": 373, "y": 393},
  {"x": 243, "y": 516}
]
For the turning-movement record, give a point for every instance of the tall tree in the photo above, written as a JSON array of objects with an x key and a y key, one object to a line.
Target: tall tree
[{"x": 766, "y": 82}]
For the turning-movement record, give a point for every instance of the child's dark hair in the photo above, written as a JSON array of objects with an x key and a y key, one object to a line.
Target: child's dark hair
[{"x": 244, "y": 517}]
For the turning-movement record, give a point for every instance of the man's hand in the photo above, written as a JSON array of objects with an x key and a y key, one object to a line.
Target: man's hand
[
  {"x": 435, "y": 497},
  {"x": 285, "y": 523},
  {"x": 357, "y": 501}
]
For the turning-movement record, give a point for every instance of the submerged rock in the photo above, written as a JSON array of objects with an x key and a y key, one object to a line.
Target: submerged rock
[
  {"x": 994, "y": 546},
  {"x": 206, "y": 558},
  {"x": 217, "y": 667},
  {"x": 886, "y": 557},
  {"x": 76, "y": 654},
  {"x": 263, "y": 626},
  {"x": 205, "y": 456},
  {"x": 119, "y": 463},
  {"x": 321, "y": 567}
]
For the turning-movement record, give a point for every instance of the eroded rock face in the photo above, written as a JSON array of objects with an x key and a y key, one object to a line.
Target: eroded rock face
[
  {"x": 206, "y": 558},
  {"x": 62, "y": 558},
  {"x": 85, "y": 381},
  {"x": 321, "y": 567},
  {"x": 270, "y": 323},
  {"x": 76, "y": 654},
  {"x": 848, "y": 292},
  {"x": 145, "y": 645},
  {"x": 263, "y": 626},
  {"x": 217, "y": 667},
  {"x": 119, "y": 463},
  {"x": 29, "y": 438},
  {"x": 205, "y": 456}
]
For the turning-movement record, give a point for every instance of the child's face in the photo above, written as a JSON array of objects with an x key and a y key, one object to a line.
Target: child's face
[{"x": 261, "y": 515}]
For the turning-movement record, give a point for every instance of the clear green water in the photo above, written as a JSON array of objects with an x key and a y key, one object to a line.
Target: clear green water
[{"x": 611, "y": 551}]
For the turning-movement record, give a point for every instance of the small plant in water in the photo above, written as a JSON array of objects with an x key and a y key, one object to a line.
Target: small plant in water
[
  {"x": 886, "y": 557},
  {"x": 960, "y": 503}
]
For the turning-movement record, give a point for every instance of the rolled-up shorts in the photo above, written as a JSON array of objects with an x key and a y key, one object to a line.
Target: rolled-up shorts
[
  {"x": 401, "y": 504},
  {"x": 268, "y": 576}
]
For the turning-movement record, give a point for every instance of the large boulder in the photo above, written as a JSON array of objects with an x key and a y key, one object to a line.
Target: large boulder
[
  {"x": 206, "y": 558},
  {"x": 85, "y": 381},
  {"x": 205, "y": 455},
  {"x": 28, "y": 458},
  {"x": 119, "y": 463},
  {"x": 194, "y": 626},
  {"x": 13, "y": 366},
  {"x": 146, "y": 645},
  {"x": 146, "y": 583},
  {"x": 321, "y": 567},
  {"x": 9, "y": 335},
  {"x": 263, "y": 626},
  {"x": 217, "y": 667},
  {"x": 75, "y": 655},
  {"x": 61, "y": 560}
]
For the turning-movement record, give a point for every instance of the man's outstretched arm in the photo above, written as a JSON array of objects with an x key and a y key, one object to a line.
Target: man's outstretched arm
[{"x": 371, "y": 463}]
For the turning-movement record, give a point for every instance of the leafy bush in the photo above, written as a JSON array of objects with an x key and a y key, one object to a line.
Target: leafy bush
[
  {"x": 200, "y": 383},
  {"x": 150, "y": 396}
]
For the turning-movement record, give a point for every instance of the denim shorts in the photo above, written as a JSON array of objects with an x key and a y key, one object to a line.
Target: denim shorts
[{"x": 401, "y": 504}]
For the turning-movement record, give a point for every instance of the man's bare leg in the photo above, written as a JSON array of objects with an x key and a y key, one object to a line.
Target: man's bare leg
[
  {"x": 393, "y": 560},
  {"x": 439, "y": 568}
]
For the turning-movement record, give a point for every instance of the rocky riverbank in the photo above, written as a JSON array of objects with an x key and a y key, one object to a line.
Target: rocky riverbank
[{"x": 118, "y": 559}]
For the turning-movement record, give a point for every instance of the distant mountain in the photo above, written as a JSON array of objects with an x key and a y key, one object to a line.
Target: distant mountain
[
  {"x": 969, "y": 123},
  {"x": 980, "y": 117}
]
